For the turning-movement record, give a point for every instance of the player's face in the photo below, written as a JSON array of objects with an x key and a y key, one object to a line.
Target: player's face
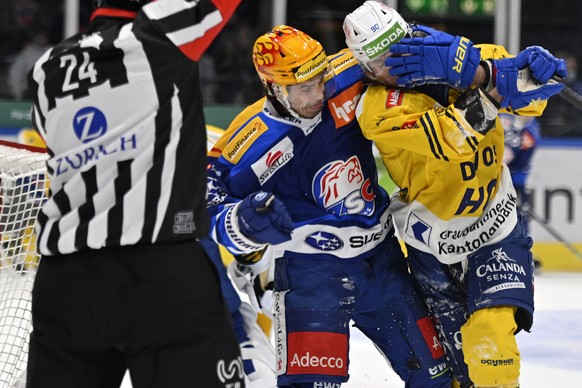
[
  {"x": 306, "y": 98},
  {"x": 376, "y": 70}
]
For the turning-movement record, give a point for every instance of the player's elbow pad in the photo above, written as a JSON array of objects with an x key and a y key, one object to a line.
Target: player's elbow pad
[{"x": 478, "y": 108}]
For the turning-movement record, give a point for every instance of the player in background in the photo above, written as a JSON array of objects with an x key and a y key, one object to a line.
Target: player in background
[
  {"x": 442, "y": 144},
  {"x": 522, "y": 135},
  {"x": 293, "y": 172},
  {"x": 123, "y": 283},
  {"x": 559, "y": 118}
]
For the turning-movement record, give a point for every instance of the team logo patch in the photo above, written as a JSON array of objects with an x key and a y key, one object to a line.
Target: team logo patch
[
  {"x": 343, "y": 106},
  {"x": 241, "y": 142},
  {"x": 317, "y": 353},
  {"x": 418, "y": 229},
  {"x": 341, "y": 188},
  {"x": 394, "y": 98},
  {"x": 89, "y": 124},
  {"x": 324, "y": 241},
  {"x": 274, "y": 159}
]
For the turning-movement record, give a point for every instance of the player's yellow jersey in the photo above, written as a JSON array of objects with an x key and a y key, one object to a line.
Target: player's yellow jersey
[{"x": 456, "y": 195}]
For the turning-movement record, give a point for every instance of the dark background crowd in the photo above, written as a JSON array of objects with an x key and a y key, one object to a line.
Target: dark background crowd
[{"x": 30, "y": 27}]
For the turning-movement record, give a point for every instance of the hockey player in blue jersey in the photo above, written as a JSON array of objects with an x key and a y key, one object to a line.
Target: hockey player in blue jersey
[
  {"x": 294, "y": 172},
  {"x": 522, "y": 135}
]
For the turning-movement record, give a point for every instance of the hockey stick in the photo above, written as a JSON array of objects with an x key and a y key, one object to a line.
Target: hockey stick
[
  {"x": 555, "y": 234},
  {"x": 568, "y": 94}
]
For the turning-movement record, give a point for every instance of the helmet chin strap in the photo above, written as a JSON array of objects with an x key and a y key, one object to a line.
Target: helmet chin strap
[{"x": 280, "y": 93}]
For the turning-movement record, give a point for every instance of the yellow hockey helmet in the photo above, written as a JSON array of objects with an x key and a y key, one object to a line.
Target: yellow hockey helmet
[{"x": 287, "y": 56}]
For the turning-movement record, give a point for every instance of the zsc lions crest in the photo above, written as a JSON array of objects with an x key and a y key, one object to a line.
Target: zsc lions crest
[{"x": 341, "y": 188}]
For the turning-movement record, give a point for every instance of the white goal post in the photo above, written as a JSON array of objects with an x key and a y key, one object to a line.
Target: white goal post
[{"x": 23, "y": 189}]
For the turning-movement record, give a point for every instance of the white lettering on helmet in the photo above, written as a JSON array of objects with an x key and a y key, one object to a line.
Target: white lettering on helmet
[{"x": 381, "y": 45}]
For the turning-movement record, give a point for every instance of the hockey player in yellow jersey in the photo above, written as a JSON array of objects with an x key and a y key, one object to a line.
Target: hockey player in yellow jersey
[{"x": 442, "y": 144}]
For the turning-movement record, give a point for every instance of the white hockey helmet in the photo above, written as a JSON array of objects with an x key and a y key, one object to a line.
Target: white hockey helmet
[{"x": 371, "y": 29}]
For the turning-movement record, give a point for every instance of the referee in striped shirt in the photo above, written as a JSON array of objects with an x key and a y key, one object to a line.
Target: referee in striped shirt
[{"x": 123, "y": 282}]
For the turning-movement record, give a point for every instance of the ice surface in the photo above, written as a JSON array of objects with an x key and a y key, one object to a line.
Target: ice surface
[{"x": 551, "y": 353}]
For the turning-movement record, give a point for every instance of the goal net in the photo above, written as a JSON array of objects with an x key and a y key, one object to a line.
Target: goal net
[{"x": 23, "y": 187}]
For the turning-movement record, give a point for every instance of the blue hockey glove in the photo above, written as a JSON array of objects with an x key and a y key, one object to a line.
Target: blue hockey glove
[
  {"x": 544, "y": 65},
  {"x": 264, "y": 219},
  {"x": 526, "y": 90},
  {"x": 524, "y": 78},
  {"x": 434, "y": 58}
]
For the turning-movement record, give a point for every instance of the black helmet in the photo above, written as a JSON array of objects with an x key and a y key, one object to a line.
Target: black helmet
[{"x": 130, "y": 5}]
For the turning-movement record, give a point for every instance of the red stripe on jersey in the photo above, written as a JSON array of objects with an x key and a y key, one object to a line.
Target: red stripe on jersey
[
  {"x": 111, "y": 12},
  {"x": 196, "y": 48},
  {"x": 430, "y": 336},
  {"x": 215, "y": 152}
]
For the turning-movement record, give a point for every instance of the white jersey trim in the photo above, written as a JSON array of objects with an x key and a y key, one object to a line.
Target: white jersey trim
[
  {"x": 355, "y": 241},
  {"x": 192, "y": 33},
  {"x": 453, "y": 240},
  {"x": 169, "y": 161},
  {"x": 161, "y": 9}
]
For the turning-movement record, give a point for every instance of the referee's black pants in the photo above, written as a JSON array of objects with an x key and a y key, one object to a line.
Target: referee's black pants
[{"x": 156, "y": 310}]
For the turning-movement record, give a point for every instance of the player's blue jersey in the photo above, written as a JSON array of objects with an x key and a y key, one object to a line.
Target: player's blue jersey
[
  {"x": 522, "y": 135},
  {"x": 322, "y": 169}
]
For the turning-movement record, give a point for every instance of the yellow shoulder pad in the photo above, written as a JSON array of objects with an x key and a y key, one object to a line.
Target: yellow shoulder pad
[
  {"x": 240, "y": 143},
  {"x": 236, "y": 123},
  {"x": 342, "y": 60}
]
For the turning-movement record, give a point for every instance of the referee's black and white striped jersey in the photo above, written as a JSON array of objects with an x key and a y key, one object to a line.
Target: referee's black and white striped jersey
[{"x": 121, "y": 111}]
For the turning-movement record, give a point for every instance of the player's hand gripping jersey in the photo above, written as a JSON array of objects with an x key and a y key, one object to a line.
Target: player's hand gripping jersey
[
  {"x": 328, "y": 191},
  {"x": 420, "y": 135}
]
